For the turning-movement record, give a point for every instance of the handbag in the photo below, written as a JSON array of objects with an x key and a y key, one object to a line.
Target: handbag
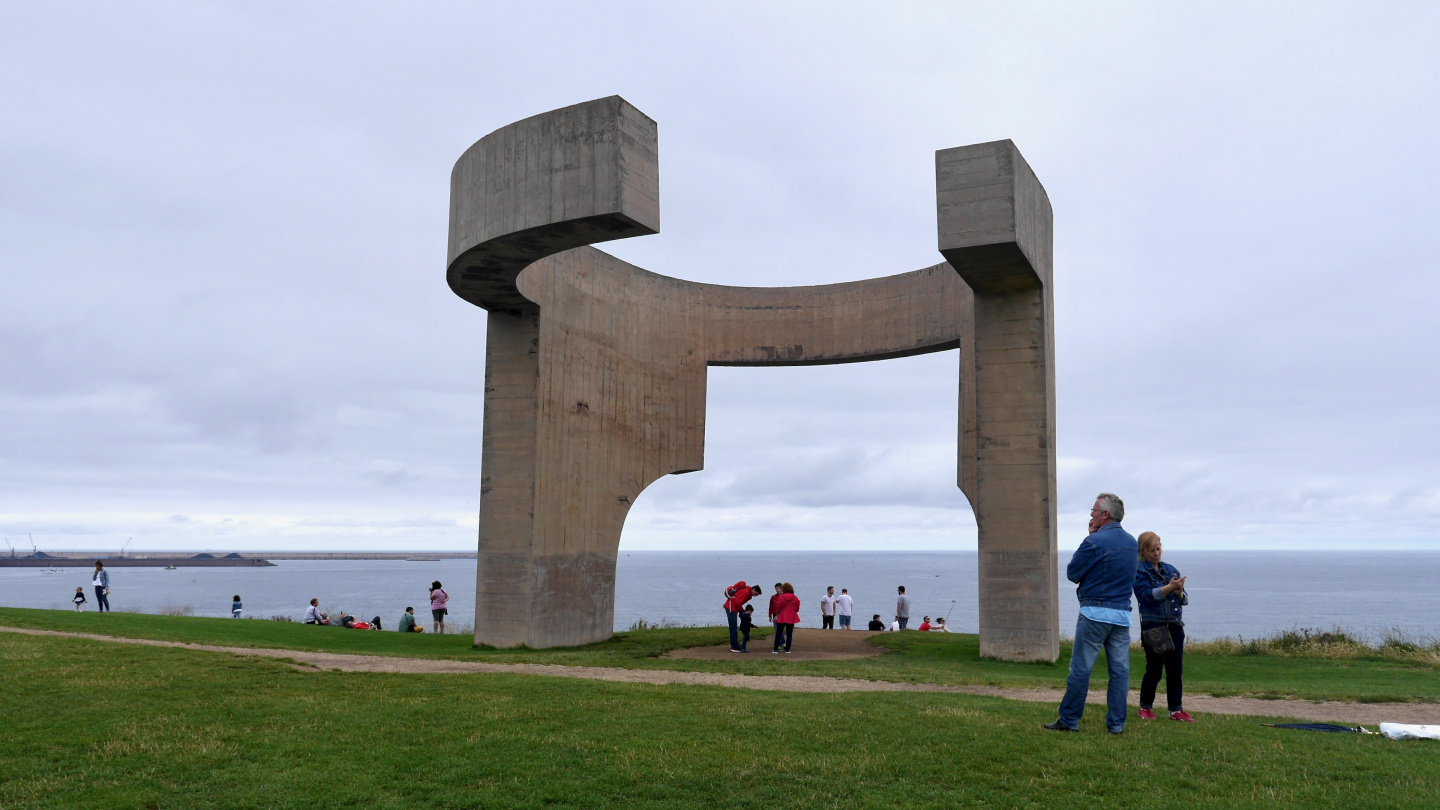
[{"x": 1158, "y": 639}]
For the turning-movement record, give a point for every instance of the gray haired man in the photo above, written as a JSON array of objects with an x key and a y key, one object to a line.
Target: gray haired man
[{"x": 1104, "y": 568}]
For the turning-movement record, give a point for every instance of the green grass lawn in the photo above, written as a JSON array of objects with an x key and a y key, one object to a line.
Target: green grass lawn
[
  {"x": 914, "y": 657},
  {"x": 90, "y": 724}
]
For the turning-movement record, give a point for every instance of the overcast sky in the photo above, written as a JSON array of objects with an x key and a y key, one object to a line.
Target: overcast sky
[{"x": 224, "y": 321}]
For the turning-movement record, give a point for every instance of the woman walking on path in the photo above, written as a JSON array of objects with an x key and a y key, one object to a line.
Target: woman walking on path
[
  {"x": 102, "y": 587},
  {"x": 438, "y": 598},
  {"x": 786, "y": 617},
  {"x": 1160, "y": 592}
]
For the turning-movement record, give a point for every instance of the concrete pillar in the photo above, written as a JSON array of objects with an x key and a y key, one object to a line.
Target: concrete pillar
[{"x": 995, "y": 226}]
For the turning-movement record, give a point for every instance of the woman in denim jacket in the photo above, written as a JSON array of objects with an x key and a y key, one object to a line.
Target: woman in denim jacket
[{"x": 1160, "y": 593}]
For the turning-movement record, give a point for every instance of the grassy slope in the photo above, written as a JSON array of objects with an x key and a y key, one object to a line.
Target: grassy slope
[
  {"x": 916, "y": 657},
  {"x": 89, "y": 724}
]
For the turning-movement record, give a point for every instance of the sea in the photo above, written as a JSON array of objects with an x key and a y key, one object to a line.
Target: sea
[{"x": 1232, "y": 594}]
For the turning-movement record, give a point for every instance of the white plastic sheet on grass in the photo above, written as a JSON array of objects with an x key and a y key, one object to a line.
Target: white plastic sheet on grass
[{"x": 1402, "y": 731}]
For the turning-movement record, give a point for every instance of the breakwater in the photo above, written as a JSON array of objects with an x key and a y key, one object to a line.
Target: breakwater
[{"x": 163, "y": 559}]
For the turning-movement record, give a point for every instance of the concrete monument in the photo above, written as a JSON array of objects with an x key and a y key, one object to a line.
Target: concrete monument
[{"x": 595, "y": 369}]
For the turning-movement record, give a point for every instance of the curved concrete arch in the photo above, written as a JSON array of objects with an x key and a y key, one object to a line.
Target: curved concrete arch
[{"x": 596, "y": 369}]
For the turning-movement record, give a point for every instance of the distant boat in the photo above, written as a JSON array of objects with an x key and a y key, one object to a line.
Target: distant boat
[
  {"x": 422, "y": 559},
  {"x": 170, "y": 568}
]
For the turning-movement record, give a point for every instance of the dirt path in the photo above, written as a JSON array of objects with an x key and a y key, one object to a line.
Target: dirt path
[
  {"x": 1334, "y": 712},
  {"x": 808, "y": 645}
]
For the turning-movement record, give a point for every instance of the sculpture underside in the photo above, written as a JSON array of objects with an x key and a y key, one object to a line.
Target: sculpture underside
[{"x": 595, "y": 369}]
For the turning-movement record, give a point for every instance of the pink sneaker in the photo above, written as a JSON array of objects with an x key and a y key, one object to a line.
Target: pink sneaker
[
  {"x": 1146, "y": 714},
  {"x": 1183, "y": 717}
]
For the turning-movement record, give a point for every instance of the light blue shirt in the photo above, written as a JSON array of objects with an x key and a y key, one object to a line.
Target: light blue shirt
[{"x": 1106, "y": 615}]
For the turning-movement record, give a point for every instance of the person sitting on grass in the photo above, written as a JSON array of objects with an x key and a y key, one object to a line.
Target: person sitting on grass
[
  {"x": 747, "y": 623},
  {"x": 407, "y": 622},
  {"x": 79, "y": 599},
  {"x": 313, "y": 614},
  {"x": 939, "y": 626},
  {"x": 925, "y": 625},
  {"x": 876, "y": 626}
]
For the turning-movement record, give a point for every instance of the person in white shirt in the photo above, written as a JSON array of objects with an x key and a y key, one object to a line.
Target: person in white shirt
[
  {"x": 827, "y": 609},
  {"x": 939, "y": 626},
  {"x": 313, "y": 614},
  {"x": 844, "y": 606}
]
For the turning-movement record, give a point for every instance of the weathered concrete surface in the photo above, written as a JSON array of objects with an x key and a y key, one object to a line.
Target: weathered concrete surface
[
  {"x": 995, "y": 229},
  {"x": 596, "y": 369}
]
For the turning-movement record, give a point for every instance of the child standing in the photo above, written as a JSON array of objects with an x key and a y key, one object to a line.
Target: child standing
[
  {"x": 79, "y": 599},
  {"x": 747, "y": 622},
  {"x": 236, "y": 608}
]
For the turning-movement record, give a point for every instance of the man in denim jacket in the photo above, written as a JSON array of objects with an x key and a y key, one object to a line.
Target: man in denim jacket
[{"x": 1104, "y": 568}]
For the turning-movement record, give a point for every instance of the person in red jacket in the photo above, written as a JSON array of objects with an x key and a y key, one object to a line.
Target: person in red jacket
[
  {"x": 735, "y": 598},
  {"x": 779, "y": 589},
  {"x": 787, "y": 615}
]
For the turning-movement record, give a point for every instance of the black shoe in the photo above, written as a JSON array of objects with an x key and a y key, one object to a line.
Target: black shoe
[
  {"x": 1055, "y": 726},
  {"x": 1116, "y": 733}
]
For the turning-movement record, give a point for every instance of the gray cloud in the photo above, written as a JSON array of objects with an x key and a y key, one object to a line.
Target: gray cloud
[{"x": 222, "y": 293}]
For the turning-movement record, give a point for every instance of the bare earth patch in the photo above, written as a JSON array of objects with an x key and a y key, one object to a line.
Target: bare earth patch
[
  {"x": 1334, "y": 711},
  {"x": 809, "y": 645}
]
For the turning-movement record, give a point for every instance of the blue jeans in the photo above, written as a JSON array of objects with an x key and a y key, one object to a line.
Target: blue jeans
[
  {"x": 103, "y": 601},
  {"x": 903, "y": 621},
  {"x": 1089, "y": 638},
  {"x": 733, "y": 618}
]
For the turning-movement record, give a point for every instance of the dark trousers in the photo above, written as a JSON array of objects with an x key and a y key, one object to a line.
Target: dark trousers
[
  {"x": 102, "y": 601},
  {"x": 786, "y": 632},
  {"x": 745, "y": 638},
  {"x": 904, "y": 620},
  {"x": 1171, "y": 662},
  {"x": 827, "y": 622},
  {"x": 734, "y": 619}
]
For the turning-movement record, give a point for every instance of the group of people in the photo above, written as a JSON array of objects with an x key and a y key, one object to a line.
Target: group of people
[
  {"x": 1109, "y": 567},
  {"x": 439, "y": 599},
  {"x": 784, "y": 614}
]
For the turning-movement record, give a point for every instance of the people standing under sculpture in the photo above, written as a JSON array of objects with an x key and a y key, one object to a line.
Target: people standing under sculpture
[
  {"x": 1160, "y": 596},
  {"x": 747, "y": 623},
  {"x": 438, "y": 600},
  {"x": 827, "y": 609},
  {"x": 786, "y": 618},
  {"x": 779, "y": 589},
  {"x": 1104, "y": 568},
  {"x": 844, "y": 607},
  {"x": 902, "y": 608},
  {"x": 102, "y": 587},
  {"x": 735, "y": 598}
]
